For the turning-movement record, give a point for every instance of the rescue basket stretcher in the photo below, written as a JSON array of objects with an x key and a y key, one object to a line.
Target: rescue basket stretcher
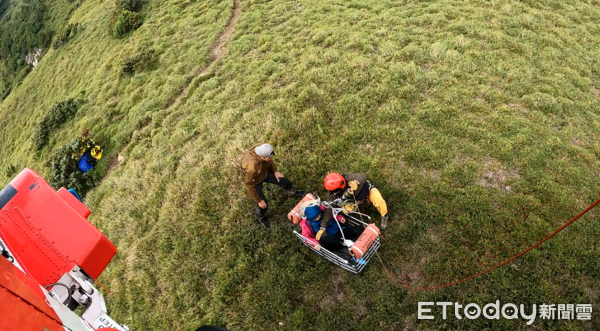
[{"x": 369, "y": 240}]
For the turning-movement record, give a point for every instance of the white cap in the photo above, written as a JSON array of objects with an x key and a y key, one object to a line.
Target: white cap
[{"x": 264, "y": 150}]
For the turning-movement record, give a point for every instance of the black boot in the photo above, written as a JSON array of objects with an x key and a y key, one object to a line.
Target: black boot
[
  {"x": 294, "y": 193},
  {"x": 262, "y": 219},
  {"x": 344, "y": 253}
]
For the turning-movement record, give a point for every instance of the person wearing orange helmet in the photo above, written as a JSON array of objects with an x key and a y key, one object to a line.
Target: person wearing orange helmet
[
  {"x": 257, "y": 168},
  {"x": 356, "y": 187}
]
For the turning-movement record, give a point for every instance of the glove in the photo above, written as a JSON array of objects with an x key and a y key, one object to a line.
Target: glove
[
  {"x": 353, "y": 186},
  {"x": 348, "y": 208},
  {"x": 340, "y": 218},
  {"x": 320, "y": 233},
  {"x": 348, "y": 195},
  {"x": 348, "y": 243}
]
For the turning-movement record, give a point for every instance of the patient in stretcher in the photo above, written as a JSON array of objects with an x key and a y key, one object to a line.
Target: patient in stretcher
[{"x": 327, "y": 230}]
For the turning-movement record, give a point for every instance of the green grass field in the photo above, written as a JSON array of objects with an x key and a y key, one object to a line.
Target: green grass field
[{"x": 478, "y": 120}]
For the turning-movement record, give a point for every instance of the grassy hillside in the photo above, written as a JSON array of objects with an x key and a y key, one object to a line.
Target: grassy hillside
[{"x": 478, "y": 120}]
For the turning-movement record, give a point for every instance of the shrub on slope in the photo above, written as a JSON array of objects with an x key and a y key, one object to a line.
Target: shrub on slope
[
  {"x": 137, "y": 63},
  {"x": 125, "y": 17},
  {"x": 126, "y": 21},
  {"x": 57, "y": 115}
]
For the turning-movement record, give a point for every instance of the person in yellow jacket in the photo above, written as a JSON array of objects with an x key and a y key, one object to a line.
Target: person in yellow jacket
[
  {"x": 258, "y": 167},
  {"x": 351, "y": 187}
]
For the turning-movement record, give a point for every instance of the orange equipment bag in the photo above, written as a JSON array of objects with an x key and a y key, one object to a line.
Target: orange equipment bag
[
  {"x": 364, "y": 242},
  {"x": 294, "y": 215}
]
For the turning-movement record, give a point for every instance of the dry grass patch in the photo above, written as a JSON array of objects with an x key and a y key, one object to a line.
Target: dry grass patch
[{"x": 494, "y": 176}]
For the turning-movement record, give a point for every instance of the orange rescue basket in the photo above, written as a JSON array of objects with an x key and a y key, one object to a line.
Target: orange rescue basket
[
  {"x": 363, "y": 249},
  {"x": 365, "y": 241},
  {"x": 295, "y": 214}
]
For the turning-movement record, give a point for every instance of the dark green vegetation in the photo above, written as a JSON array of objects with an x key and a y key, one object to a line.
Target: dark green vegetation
[
  {"x": 3, "y": 7},
  {"x": 126, "y": 22},
  {"x": 140, "y": 61},
  {"x": 60, "y": 113},
  {"x": 125, "y": 17},
  {"x": 478, "y": 120},
  {"x": 22, "y": 32},
  {"x": 27, "y": 27}
]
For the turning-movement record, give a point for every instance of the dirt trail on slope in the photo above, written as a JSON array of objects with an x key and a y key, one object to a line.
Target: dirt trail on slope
[{"x": 216, "y": 52}]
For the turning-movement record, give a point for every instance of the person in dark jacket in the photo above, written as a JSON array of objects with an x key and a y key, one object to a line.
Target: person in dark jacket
[
  {"x": 258, "y": 167},
  {"x": 327, "y": 230},
  {"x": 352, "y": 187}
]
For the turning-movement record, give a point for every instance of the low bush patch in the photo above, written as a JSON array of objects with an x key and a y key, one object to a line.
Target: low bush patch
[
  {"x": 131, "y": 5},
  {"x": 126, "y": 22},
  {"x": 57, "y": 115},
  {"x": 125, "y": 17},
  {"x": 139, "y": 62}
]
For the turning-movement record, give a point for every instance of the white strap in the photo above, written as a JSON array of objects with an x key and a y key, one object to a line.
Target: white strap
[
  {"x": 361, "y": 252},
  {"x": 375, "y": 232}
]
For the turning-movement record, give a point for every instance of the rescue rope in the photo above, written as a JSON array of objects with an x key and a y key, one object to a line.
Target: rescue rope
[
  {"x": 356, "y": 203},
  {"x": 337, "y": 210},
  {"x": 494, "y": 267},
  {"x": 107, "y": 290},
  {"x": 335, "y": 214}
]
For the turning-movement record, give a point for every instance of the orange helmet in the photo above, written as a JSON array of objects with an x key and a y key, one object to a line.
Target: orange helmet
[{"x": 334, "y": 181}]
